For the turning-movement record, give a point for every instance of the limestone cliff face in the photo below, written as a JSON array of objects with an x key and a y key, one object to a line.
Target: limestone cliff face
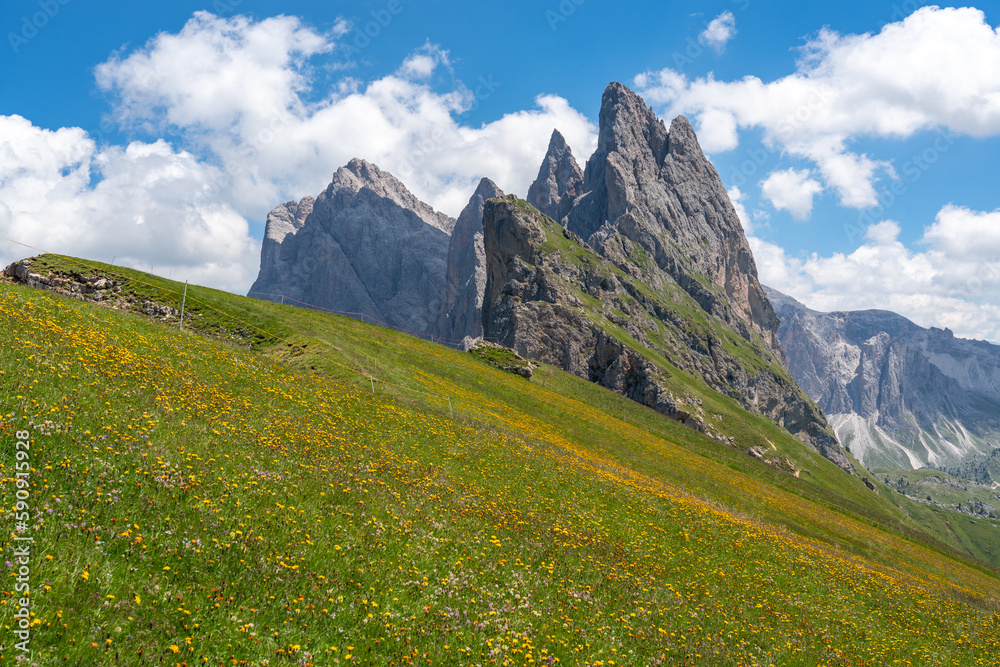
[
  {"x": 559, "y": 181},
  {"x": 368, "y": 245},
  {"x": 465, "y": 284},
  {"x": 285, "y": 219},
  {"x": 897, "y": 394},
  {"x": 553, "y": 299},
  {"x": 656, "y": 188}
]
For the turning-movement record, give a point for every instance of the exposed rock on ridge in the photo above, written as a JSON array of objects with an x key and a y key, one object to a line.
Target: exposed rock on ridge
[
  {"x": 466, "y": 281},
  {"x": 552, "y": 299},
  {"x": 898, "y": 395},
  {"x": 368, "y": 245},
  {"x": 559, "y": 181},
  {"x": 657, "y": 189},
  {"x": 662, "y": 265},
  {"x": 285, "y": 219}
]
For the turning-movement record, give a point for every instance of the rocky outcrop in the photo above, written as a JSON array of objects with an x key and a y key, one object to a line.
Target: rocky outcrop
[
  {"x": 367, "y": 246},
  {"x": 559, "y": 181},
  {"x": 551, "y": 298},
  {"x": 899, "y": 395},
  {"x": 93, "y": 286},
  {"x": 286, "y": 219},
  {"x": 657, "y": 189},
  {"x": 466, "y": 280}
]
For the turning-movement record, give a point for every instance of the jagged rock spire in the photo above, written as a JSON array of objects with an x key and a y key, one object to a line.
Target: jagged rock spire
[
  {"x": 466, "y": 280},
  {"x": 656, "y": 188},
  {"x": 559, "y": 181}
]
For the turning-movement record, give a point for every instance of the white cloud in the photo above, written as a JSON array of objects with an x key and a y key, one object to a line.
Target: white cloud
[
  {"x": 251, "y": 133},
  {"x": 151, "y": 206},
  {"x": 792, "y": 190},
  {"x": 422, "y": 64},
  {"x": 215, "y": 75},
  {"x": 939, "y": 67},
  {"x": 883, "y": 233},
  {"x": 736, "y": 196},
  {"x": 962, "y": 233},
  {"x": 953, "y": 282},
  {"x": 235, "y": 90},
  {"x": 717, "y": 131},
  {"x": 718, "y": 33}
]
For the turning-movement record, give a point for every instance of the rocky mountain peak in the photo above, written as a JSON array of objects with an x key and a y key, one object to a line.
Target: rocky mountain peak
[
  {"x": 358, "y": 175},
  {"x": 627, "y": 127},
  {"x": 466, "y": 280},
  {"x": 287, "y": 218},
  {"x": 683, "y": 140},
  {"x": 486, "y": 189},
  {"x": 657, "y": 189},
  {"x": 559, "y": 181},
  {"x": 898, "y": 394},
  {"x": 553, "y": 299}
]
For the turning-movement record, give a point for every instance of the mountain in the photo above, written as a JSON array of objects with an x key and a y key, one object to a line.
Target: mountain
[
  {"x": 553, "y": 299},
  {"x": 650, "y": 275},
  {"x": 466, "y": 280},
  {"x": 559, "y": 181},
  {"x": 653, "y": 199},
  {"x": 368, "y": 245},
  {"x": 627, "y": 273},
  {"x": 898, "y": 395}
]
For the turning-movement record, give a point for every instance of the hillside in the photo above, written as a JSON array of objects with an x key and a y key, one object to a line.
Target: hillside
[
  {"x": 280, "y": 501},
  {"x": 550, "y": 297}
]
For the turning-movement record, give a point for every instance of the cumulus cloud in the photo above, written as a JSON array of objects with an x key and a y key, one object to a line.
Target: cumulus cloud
[
  {"x": 913, "y": 75},
  {"x": 952, "y": 282},
  {"x": 236, "y": 90},
  {"x": 792, "y": 190},
  {"x": 423, "y": 63},
  {"x": 151, "y": 205},
  {"x": 718, "y": 33},
  {"x": 215, "y": 75},
  {"x": 248, "y": 131},
  {"x": 736, "y": 196}
]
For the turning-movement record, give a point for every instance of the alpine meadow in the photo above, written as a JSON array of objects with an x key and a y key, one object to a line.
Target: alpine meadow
[{"x": 438, "y": 334}]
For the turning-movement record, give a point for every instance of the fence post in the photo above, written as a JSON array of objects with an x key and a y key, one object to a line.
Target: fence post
[{"x": 183, "y": 303}]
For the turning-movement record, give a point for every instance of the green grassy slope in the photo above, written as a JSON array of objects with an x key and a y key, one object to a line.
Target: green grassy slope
[{"x": 195, "y": 501}]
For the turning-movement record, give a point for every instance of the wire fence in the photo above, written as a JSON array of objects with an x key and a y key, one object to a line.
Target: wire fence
[{"x": 364, "y": 317}]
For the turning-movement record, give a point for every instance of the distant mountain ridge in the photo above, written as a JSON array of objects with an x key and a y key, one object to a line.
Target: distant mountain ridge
[{"x": 898, "y": 395}]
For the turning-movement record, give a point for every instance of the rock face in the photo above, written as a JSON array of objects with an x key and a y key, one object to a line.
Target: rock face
[
  {"x": 285, "y": 219},
  {"x": 553, "y": 299},
  {"x": 559, "y": 182},
  {"x": 366, "y": 244},
  {"x": 897, "y": 394},
  {"x": 657, "y": 189},
  {"x": 466, "y": 280}
]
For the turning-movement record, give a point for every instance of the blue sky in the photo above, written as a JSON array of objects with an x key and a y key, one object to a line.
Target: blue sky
[{"x": 859, "y": 140}]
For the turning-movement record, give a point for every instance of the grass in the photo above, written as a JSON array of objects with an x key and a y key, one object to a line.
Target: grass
[
  {"x": 503, "y": 359},
  {"x": 278, "y": 500}
]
